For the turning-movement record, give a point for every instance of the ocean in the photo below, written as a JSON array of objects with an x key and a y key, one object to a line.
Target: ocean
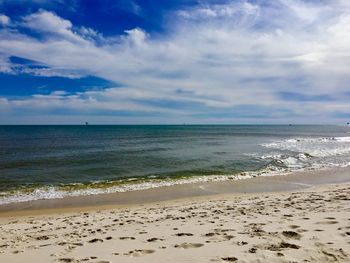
[{"x": 45, "y": 162}]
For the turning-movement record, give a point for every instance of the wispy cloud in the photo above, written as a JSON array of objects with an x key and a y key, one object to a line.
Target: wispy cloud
[{"x": 224, "y": 56}]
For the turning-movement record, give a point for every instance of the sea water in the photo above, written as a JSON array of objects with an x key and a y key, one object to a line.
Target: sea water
[{"x": 45, "y": 162}]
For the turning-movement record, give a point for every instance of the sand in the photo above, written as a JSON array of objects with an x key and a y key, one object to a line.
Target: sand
[{"x": 304, "y": 225}]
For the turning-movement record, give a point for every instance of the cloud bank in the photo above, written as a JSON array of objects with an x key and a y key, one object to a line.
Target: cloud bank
[{"x": 237, "y": 62}]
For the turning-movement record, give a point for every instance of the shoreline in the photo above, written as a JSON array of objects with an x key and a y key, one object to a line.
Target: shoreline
[{"x": 264, "y": 184}]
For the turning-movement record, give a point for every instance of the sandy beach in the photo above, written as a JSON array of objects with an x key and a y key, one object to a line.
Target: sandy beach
[
  {"x": 175, "y": 131},
  {"x": 304, "y": 225}
]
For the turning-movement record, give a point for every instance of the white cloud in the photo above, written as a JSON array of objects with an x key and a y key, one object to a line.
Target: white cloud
[
  {"x": 222, "y": 56},
  {"x": 49, "y": 23},
  {"x": 136, "y": 36},
  {"x": 4, "y": 20},
  {"x": 45, "y": 21}
]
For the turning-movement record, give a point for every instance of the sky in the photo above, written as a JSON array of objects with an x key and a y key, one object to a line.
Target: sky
[{"x": 174, "y": 62}]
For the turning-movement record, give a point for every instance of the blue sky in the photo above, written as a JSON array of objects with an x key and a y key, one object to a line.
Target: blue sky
[{"x": 170, "y": 62}]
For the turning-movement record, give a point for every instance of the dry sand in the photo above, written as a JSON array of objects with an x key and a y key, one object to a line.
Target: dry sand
[{"x": 306, "y": 225}]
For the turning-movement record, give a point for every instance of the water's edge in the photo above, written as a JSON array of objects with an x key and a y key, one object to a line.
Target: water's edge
[{"x": 293, "y": 181}]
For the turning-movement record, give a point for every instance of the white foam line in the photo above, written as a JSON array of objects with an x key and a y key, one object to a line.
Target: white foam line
[{"x": 54, "y": 193}]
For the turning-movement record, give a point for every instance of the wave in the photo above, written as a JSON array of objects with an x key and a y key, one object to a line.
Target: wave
[
  {"x": 96, "y": 188},
  {"x": 131, "y": 184},
  {"x": 317, "y": 147}
]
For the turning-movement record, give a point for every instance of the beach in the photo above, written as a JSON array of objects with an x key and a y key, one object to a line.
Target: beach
[
  {"x": 174, "y": 131},
  {"x": 290, "y": 222}
]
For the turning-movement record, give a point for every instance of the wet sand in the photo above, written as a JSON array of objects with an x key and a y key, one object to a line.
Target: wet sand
[{"x": 297, "y": 218}]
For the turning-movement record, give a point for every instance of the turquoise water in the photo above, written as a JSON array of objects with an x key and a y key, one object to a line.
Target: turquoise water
[{"x": 38, "y": 162}]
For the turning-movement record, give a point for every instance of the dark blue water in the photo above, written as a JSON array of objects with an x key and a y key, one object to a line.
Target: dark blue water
[{"x": 38, "y": 157}]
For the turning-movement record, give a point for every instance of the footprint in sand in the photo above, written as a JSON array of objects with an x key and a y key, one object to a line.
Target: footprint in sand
[
  {"x": 139, "y": 252},
  {"x": 229, "y": 259},
  {"x": 279, "y": 254},
  {"x": 291, "y": 234},
  {"x": 17, "y": 251},
  {"x": 189, "y": 245},
  {"x": 184, "y": 234},
  {"x": 277, "y": 247},
  {"x": 66, "y": 260},
  {"x": 218, "y": 237},
  {"x": 95, "y": 240},
  {"x": 210, "y": 234},
  {"x": 154, "y": 239},
  {"x": 126, "y": 238},
  {"x": 42, "y": 238},
  {"x": 241, "y": 243},
  {"x": 288, "y": 245}
]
